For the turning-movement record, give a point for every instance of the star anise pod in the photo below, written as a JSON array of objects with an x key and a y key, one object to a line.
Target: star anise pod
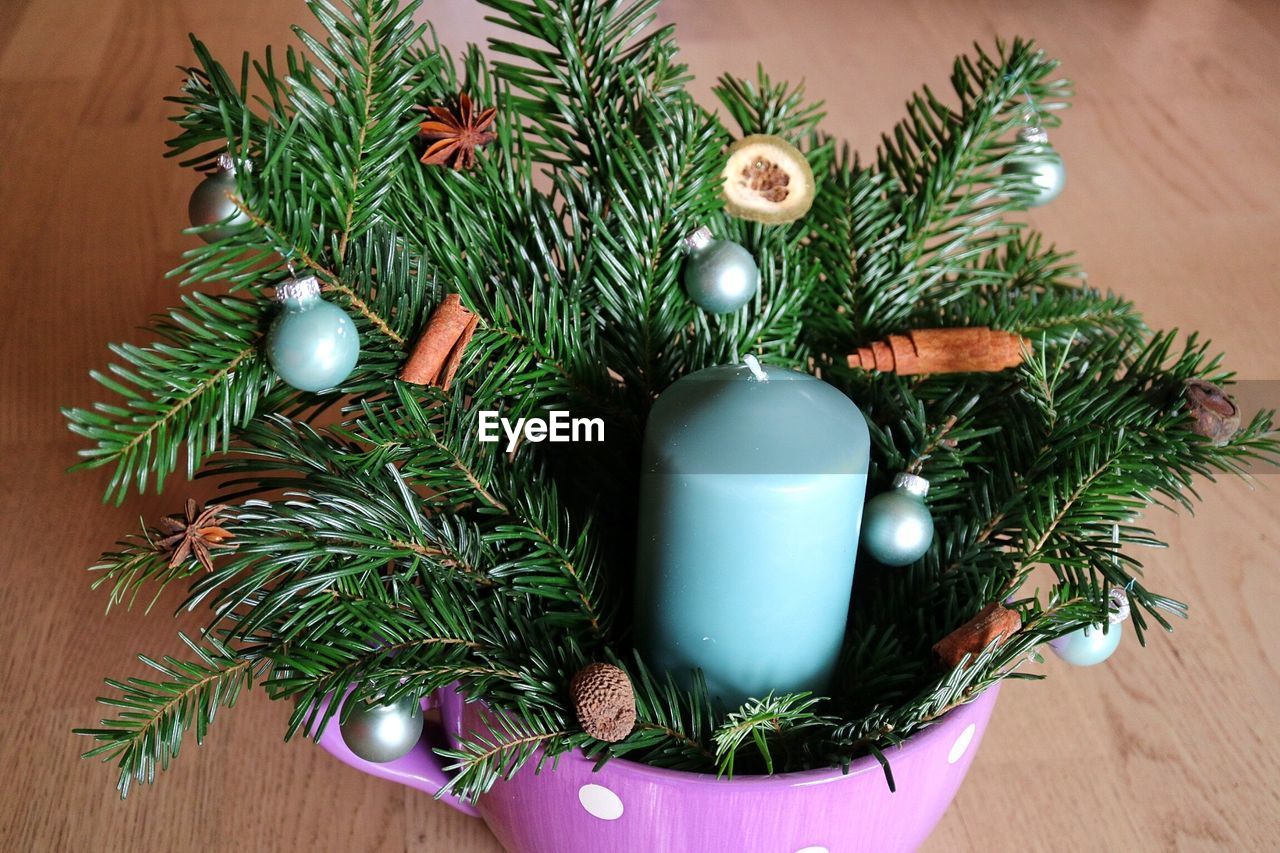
[
  {"x": 455, "y": 134},
  {"x": 193, "y": 534}
]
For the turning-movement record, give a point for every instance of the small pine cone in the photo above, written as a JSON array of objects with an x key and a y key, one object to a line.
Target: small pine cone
[
  {"x": 604, "y": 701},
  {"x": 1214, "y": 415}
]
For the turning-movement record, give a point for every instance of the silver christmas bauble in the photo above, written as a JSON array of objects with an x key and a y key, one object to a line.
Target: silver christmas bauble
[
  {"x": 719, "y": 275},
  {"x": 897, "y": 528},
  {"x": 382, "y": 733},
  {"x": 211, "y": 203},
  {"x": 1037, "y": 159}
]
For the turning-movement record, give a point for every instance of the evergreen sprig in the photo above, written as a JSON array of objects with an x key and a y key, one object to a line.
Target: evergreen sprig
[
  {"x": 384, "y": 550},
  {"x": 205, "y": 376},
  {"x": 767, "y": 723},
  {"x": 153, "y": 717}
]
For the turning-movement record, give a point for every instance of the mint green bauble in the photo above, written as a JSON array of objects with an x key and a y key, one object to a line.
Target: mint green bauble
[
  {"x": 313, "y": 344},
  {"x": 720, "y": 276},
  {"x": 897, "y": 527},
  {"x": 1089, "y": 645}
]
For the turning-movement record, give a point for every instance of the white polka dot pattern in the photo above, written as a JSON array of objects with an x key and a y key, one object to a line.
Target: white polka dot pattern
[
  {"x": 813, "y": 850},
  {"x": 961, "y": 746},
  {"x": 600, "y": 802}
]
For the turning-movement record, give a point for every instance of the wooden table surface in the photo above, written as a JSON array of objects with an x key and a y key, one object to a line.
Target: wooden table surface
[{"x": 1173, "y": 199}]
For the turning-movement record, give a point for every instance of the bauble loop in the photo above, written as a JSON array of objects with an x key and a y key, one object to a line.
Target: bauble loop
[
  {"x": 1117, "y": 605},
  {"x": 1033, "y": 135},
  {"x": 298, "y": 289},
  {"x": 604, "y": 701},
  {"x": 912, "y": 484},
  {"x": 699, "y": 239}
]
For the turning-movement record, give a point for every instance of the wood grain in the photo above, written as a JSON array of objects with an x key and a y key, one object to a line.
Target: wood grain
[{"x": 1173, "y": 199}]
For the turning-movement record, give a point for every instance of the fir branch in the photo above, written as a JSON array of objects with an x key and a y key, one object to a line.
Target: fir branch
[
  {"x": 527, "y": 290},
  {"x": 554, "y": 561},
  {"x": 338, "y": 534},
  {"x": 856, "y": 234},
  {"x": 660, "y": 193},
  {"x": 506, "y": 744},
  {"x": 1040, "y": 294},
  {"x": 360, "y": 105},
  {"x": 672, "y": 724},
  {"x": 352, "y": 299},
  {"x": 346, "y": 667},
  {"x": 765, "y": 723},
  {"x": 214, "y": 108},
  {"x": 455, "y": 456},
  {"x": 203, "y": 378},
  {"x": 582, "y": 72},
  {"x": 328, "y": 278},
  {"x": 137, "y": 562},
  {"x": 763, "y": 106},
  {"x": 155, "y": 716},
  {"x": 945, "y": 194},
  {"x": 433, "y": 444}
]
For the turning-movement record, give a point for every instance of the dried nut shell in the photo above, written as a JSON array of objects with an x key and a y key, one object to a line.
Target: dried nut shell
[
  {"x": 1214, "y": 414},
  {"x": 604, "y": 701},
  {"x": 767, "y": 179}
]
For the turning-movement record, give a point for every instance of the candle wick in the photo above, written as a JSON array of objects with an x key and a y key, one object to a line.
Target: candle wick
[{"x": 757, "y": 371}]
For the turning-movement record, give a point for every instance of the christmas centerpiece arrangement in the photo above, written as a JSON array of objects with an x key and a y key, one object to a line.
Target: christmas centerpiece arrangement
[{"x": 531, "y": 376}]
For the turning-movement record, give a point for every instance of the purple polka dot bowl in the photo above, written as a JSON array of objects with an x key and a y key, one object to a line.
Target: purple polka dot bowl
[{"x": 627, "y": 806}]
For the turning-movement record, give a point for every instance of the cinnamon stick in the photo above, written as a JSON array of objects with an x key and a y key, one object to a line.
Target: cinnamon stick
[
  {"x": 964, "y": 350},
  {"x": 995, "y": 621},
  {"x": 438, "y": 351}
]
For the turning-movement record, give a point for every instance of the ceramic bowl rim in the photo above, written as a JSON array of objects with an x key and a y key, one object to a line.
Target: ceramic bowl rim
[{"x": 801, "y": 778}]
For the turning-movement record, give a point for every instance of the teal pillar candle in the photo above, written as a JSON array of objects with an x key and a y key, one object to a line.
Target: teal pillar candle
[{"x": 751, "y": 494}]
